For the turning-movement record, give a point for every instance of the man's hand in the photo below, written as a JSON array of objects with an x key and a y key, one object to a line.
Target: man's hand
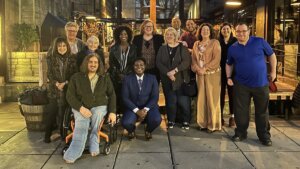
[
  {"x": 85, "y": 112},
  {"x": 112, "y": 118},
  {"x": 184, "y": 43},
  {"x": 229, "y": 82},
  {"x": 272, "y": 76},
  {"x": 142, "y": 113}
]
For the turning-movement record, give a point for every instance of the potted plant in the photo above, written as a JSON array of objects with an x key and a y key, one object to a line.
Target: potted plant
[
  {"x": 23, "y": 61},
  {"x": 25, "y": 35}
]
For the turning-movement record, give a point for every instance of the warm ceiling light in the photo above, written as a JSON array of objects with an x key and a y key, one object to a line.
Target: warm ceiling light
[
  {"x": 295, "y": 3},
  {"x": 90, "y": 17},
  {"x": 233, "y": 3}
]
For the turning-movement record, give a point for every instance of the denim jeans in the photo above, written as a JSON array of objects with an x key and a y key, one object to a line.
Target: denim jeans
[
  {"x": 176, "y": 101},
  {"x": 81, "y": 132}
]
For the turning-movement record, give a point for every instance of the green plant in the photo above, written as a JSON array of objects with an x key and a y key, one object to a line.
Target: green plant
[{"x": 24, "y": 35}]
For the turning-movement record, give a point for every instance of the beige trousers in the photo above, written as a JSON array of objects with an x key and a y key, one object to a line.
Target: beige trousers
[{"x": 208, "y": 104}]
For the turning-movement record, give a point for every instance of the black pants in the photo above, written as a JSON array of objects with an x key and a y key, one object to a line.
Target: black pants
[
  {"x": 54, "y": 117},
  {"x": 223, "y": 93},
  {"x": 242, "y": 98}
]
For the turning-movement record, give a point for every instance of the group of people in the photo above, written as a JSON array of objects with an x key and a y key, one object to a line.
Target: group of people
[{"x": 79, "y": 77}]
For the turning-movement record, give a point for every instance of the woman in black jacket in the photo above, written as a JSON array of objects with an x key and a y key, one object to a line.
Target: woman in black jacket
[
  {"x": 226, "y": 40},
  {"x": 148, "y": 44},
  {"x": 174, "y": 61},
  {"x": 61, "y": 66},
  {"x": 121, "y": 57}
]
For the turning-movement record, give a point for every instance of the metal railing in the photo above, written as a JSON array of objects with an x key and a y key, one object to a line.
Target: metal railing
[{"x": 287, "y": 62}]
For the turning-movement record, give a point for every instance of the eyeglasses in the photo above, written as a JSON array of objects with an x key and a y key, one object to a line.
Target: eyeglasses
[{"x": 243, "y": 31}]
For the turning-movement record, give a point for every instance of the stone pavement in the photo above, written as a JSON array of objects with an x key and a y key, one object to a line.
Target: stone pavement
[{"x": 176, "y": 148}]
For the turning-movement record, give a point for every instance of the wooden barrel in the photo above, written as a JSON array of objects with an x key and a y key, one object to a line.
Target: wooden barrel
[{"x": 34, "y": 115}]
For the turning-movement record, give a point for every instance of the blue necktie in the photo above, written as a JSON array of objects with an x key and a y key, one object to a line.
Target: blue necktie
[{"x": 140, "y": 83}]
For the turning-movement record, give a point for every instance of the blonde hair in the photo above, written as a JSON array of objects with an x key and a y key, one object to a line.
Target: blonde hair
[
  {"x": 171, "y": 29},
  {"x": 143, "y": 25},
  {"x": 71, "y": 24}
]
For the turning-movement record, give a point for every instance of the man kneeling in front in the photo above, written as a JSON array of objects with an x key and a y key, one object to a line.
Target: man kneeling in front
[{"x": 140, "y": 95}]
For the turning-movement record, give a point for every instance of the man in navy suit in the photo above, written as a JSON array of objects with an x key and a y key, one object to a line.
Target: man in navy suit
[{"x": 140, "y": 96}]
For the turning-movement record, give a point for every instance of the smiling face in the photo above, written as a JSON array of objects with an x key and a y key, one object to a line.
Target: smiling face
[
  {"x": 170, "y": 37},
  {"x": 190, "y": 25},
  {"x": 242, "y": 33},
  {"x": 226, "y": 31},
  {"x": 92, "y": 44},
  {"x": 123, "y": 36},
  {"x": 93, "y": 64},
  {"x": 139, "y": 67},
  {"x": 205, "y": 32},
  {"x": 148, "y": 29},
  {"x": 176, "y": 23},
  {"x": 62, "y": 48}
]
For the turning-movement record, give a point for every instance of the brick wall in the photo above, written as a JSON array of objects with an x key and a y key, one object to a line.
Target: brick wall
[{"x": 23, "y": 66}]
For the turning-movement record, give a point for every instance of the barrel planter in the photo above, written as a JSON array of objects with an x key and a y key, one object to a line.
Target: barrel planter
[{"x": 34, "y": 115}]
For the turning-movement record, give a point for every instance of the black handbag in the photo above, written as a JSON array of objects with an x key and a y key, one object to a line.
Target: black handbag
[
  {"x": 190, "y": 89},
  {"x": 34, "y": 96}
]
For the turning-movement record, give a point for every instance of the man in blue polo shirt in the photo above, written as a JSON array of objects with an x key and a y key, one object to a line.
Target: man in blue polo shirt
[{"x": 247, "y": 57}]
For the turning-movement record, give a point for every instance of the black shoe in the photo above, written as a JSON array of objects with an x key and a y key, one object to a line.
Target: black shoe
[
  {"x": 148, "y": 135},
  {"x": 171, "y": 124},
  {"x": 185, "y": 125},
  {"x": 131, "y": 135},
  {"x": 209, "y": 131},
  {"x": 202, "y": 129},
  {"x": 237, "y": 138},
  {"x": 267, "y": 142}
]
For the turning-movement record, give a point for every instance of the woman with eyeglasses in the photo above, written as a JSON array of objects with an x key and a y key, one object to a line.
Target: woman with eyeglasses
[
  {"x": 148, "y": 43},
  {"x": 206, "y": 56},
  {"x": 226, "y": 39}
]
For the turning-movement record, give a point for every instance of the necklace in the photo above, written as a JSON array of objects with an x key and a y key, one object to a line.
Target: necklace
[{"x": 170, "y": 50}]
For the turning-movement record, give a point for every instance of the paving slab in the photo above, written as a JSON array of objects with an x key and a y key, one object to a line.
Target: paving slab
[
  {"x": 113, "y": 147},
  {"x": 11, "y": 115},
  {"x": 28, "y": 143},
  {"x": 144, "y": 161},
  {"x": 292, "y": 132},
  {"x": 86, "y": 161},
  {"x": 274, "y": 160},
  {"x": 279, "y": 122},
  {"x": 196, "y": 140},
  {"x": 22, "y": 161},
  {"x": 159, "y": 142},
  {"x": 280, "y": 141},
  {"x": 4, "y": 136},
  {"x": 9, "y": 107},
  {"x": 211, "y": 160},
  {"x": 12, "y": 124}
]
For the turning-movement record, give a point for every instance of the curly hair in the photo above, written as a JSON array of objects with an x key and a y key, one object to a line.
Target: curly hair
[
  {"x": 143, "y": 25},
  {"x": 56, "y": 42},
  {"x": 119, "y": 30},
  {"x": 221, "y": 37},
  {"x": 199, "y": 37},
  {"x": 84, "y": 65}
]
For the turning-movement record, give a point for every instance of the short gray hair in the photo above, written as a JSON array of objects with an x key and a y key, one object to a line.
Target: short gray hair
[{"x": 71, "y": 24}]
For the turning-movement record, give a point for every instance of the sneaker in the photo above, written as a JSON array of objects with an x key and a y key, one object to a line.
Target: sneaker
[
  {"x": 171, "y": 124},
  {"x": 185, "y": 125},
  {"x": 232, "y": 122}
]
